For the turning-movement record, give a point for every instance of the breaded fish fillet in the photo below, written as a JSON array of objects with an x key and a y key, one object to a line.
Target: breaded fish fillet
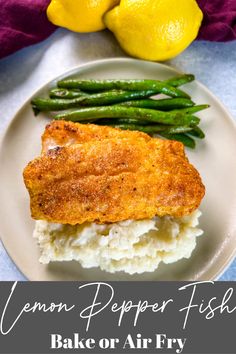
[
  {"x": 112, "y": 179},
  {"x": 61, "y": 133}
]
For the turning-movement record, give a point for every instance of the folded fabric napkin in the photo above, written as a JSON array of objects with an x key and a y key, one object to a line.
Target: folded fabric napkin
[
  {"x": 219, "y": 23},
  {"x": 24, "y": 22}
]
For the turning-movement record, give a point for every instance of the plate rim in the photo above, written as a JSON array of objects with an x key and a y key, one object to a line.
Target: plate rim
[{"x": 229, "y": 260}]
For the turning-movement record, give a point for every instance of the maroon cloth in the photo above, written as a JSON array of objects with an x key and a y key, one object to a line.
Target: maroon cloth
[
  {"x": 24, "y": 22},
  {"x": 219, "y": 23}
]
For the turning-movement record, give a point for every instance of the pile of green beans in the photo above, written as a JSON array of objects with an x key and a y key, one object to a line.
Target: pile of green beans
[{"x": 127, "y": 104}]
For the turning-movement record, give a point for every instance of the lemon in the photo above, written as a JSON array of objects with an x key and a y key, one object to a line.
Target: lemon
[
  {"x": 79, "y": 15},
  {"x": 154, "y": 29}
]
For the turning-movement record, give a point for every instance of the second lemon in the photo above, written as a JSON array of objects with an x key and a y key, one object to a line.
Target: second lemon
[{"x": 154, "y": 29}]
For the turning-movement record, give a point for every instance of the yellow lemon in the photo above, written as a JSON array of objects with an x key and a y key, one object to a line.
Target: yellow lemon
[
  {"x": 79, "y": 15},
  {"x": 154, "y": 29}
]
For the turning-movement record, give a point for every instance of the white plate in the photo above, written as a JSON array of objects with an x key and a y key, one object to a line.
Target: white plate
[{"x": 214, "y": 157}]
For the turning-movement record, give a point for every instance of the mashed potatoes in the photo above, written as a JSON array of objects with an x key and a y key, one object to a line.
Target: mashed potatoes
[{"x": 130, "y": 246}]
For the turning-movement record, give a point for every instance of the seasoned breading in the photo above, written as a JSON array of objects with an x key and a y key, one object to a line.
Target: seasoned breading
[
  {"x": 111, "y": 179},
  {"x": 61, "y": 133}
]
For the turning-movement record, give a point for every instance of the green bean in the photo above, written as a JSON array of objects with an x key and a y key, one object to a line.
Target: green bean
[
  {"x": 177, "y": 129},
  {"x": 47, "y": 105},
  {"x": 149, "y": 129},
  {"x": 150, "y": 115},
  {"x": 64, "y": 93},
  {"x": 122, "y": 122},
  {"x": 97, "y": 99},
  {"x": 197, "y": 132},
  {"x": 165, "y": 104},
  {"x": 180, "y": 80},
  {"x": 107, "y": 121},
  {"x": 183, "y": 138},
  {"x": 152, "y": 129},
  {"x": 175, "y": 82},
  {"x": 127, "y": 85},
  {"x": 194, "y": 109}
]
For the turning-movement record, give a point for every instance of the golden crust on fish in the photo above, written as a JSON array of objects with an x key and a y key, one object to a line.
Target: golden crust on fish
[
  {"x": 61, "y": 133},
  {"x": 113, "y": 179}
]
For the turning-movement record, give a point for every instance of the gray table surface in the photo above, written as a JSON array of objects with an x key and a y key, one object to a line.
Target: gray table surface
[{"x": 214, "y": 64}]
